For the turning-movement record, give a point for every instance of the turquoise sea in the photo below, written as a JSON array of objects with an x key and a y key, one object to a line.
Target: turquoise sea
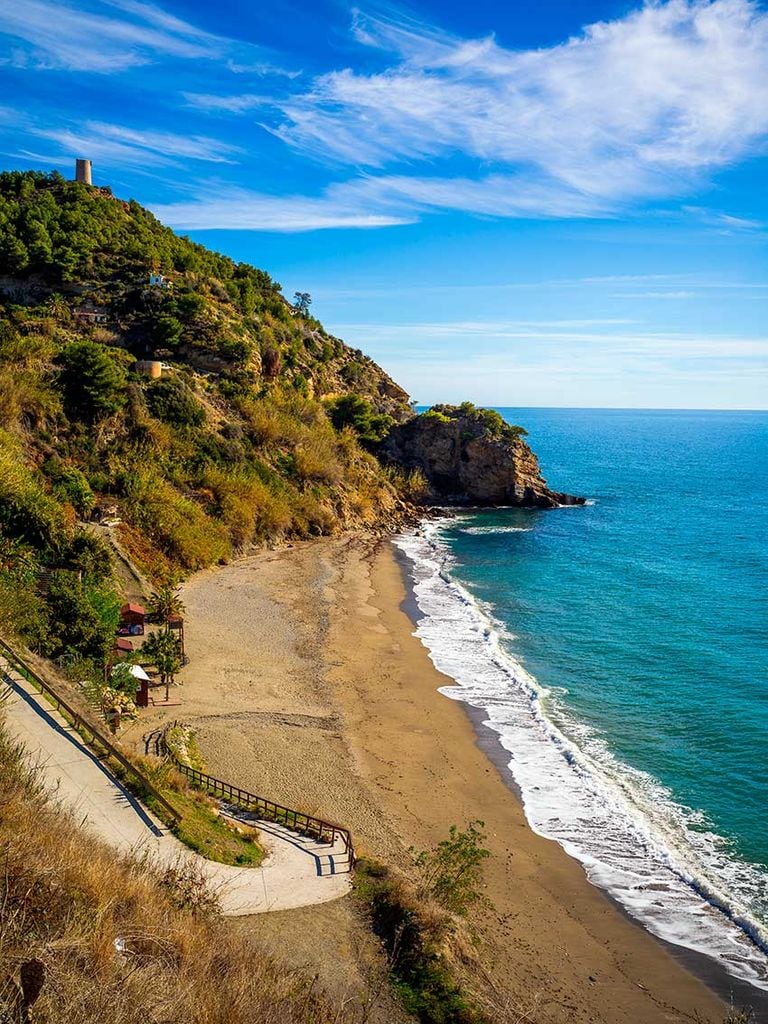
[{"x": 620, "y": 651}]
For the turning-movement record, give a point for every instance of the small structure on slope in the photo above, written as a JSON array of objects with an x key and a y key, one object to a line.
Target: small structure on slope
[
  {"x": 83, "y": 170},
  {"x": 151, "y": 368},
  {"x": 122, "y": 648},
  {"x": 132, "y": 619}
]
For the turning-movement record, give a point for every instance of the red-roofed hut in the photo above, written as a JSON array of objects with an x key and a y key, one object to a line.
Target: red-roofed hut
[{"x": 132, "y": 619}]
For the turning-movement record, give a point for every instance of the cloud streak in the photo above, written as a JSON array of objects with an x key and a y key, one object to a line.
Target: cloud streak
[
  {"x": 241, "y": 209},
  {"x": 627, "y": 114},
  {"x": 450, "y": 342},
  {"x": 635, "y": 109},
  {"x": 118, "y": 145},
  {"x": 237, "y": 104},
  {"x": 61, "y": 37}
]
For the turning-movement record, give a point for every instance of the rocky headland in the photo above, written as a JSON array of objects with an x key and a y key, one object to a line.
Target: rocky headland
[{"x": 472, "y": 456}]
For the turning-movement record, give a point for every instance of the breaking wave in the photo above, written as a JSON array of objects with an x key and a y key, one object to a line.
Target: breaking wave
[{"x": 656, "y": 857}]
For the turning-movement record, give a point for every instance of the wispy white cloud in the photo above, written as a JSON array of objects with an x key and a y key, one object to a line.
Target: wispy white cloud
[
  {"x": 262, "y": 69},
  {"x": 60, "y": 36},
  {"x": 239, "y": 208},
  {"x": 226, "y": 104},
  {"x": 116, "y": 144},
  {"x": 627, "y": 112},
  {"x": 195, "y": 147},
  {"x": 376, "y": 202},
  {"x": 630, "y": 278},
  {"x": 154, "y": 15},
  {"x": 557, "y": 336},
  {"x": 725, "y": 222},
  {"x": 655, "y": 295},
  {"x": 636, "y": 108},
  {"x": 495, "y": 195}
]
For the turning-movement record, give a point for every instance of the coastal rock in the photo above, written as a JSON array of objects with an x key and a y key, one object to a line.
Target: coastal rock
[{"x": 472, "y": 456}]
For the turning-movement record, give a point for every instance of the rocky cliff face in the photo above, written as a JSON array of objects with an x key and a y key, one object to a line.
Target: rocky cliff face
[{"x": 471, "y": 456}]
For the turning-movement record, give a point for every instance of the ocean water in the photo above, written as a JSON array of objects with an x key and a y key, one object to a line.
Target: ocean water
[{"x": 620, "y": 651}]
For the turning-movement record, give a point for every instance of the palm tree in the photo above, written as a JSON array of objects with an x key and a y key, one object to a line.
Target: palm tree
[
  {"x": 165, "y": 602},
  {"x": 163, "y": 650}
]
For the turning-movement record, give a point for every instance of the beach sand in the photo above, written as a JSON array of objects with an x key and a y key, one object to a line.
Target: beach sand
[{"x": 306, "y": 685}]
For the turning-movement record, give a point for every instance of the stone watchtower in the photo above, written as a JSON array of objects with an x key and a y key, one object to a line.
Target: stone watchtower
[{"x": 83, "y": 171}]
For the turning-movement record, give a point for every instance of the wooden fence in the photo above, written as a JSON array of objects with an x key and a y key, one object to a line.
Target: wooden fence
[
  {"x": 266, "y": 810},
  {"x": 85, "y": 728}
]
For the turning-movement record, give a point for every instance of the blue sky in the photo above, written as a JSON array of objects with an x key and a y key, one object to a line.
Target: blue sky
[{"x": 536, "y": 202}]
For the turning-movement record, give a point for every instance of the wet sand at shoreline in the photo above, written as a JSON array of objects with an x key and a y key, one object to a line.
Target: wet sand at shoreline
[{"x": 306, "y": 685}]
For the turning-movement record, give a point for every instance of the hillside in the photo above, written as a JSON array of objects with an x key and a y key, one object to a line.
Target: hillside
[
  {"x": 258, "y": 428},
  {"x": 150, "y": 383}
]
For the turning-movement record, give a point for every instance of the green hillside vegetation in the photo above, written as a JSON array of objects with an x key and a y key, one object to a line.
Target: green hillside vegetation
[{"x": 261, "y": 426}]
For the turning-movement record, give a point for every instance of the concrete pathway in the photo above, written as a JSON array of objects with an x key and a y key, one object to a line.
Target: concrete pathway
[{"x": 297, "y": 871}]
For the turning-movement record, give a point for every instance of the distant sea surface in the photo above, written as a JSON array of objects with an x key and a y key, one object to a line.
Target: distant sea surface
[{"x": 620, "y": 651}]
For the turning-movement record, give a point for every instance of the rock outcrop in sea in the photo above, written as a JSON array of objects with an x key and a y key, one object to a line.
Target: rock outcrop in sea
[{"x": 472, "y": 456}]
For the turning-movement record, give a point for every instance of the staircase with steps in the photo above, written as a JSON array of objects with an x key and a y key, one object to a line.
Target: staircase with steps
[
  {"x": 330, "y": 859},
  {"x": 330, "y": 845}
]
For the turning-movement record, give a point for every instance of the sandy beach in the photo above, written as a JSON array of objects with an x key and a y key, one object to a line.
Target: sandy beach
[{"x": 306, "y": 685}]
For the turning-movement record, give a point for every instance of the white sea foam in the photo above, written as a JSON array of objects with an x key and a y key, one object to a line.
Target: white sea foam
[
  {"x": 476, "y": 530},
  {"x": 656, "y": 857}
]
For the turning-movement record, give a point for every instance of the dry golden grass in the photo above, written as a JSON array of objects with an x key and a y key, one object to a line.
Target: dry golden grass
[
  {"x": 315, "y": 460},
  {"x": 116, "y": 942}
]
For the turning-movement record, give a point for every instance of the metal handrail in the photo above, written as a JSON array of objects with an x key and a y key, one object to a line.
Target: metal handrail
[
  {"x": 306, "y": 824},
  {"x": 82, "y": 723}
]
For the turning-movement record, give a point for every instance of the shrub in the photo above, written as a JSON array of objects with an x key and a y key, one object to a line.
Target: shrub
[
  {"x": 26, "y": 397},
  {"x": 452, "y": 873},
  {"x": 88, "y": 555},
  {"x": 237, "y": 498},
  {"x": 22, "y": 611},
  {"x": 353, "y": 372},
  {"x": 265, "y": 424},
  {"x": 411, "y": 484},
  {"x": 271, "y": 361},
  {"x": 177, "y": 525},
  {"x": 75, "y": 626},
  {"x": 71, "y": 485},
  {"x": 413, "y": 938},
  {"x": 26, "y": 510},
  {"x": 358, "y": 413},
  {"x": 94, "y": 383},
  {"x": 122, "y": 679},
  {"x": 234, "y": 350},
  {"x": 315, "y": 459},
  {"x": 174, "y": 402},
  {"x": 167, "y": 331},
  {"x": 436, "y": 416},
  {"x": 486, "y": 421}
]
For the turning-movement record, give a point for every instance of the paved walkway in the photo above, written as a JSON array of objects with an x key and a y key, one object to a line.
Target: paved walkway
[{"x": 297, "y": 871}]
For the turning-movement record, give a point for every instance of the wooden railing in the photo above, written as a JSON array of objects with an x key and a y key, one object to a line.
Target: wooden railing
[
  {"x": 266, "y": 810},
  {"x": 85, "y": 728}
]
